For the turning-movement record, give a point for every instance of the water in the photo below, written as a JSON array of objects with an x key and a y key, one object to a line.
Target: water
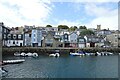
[{"x": 64, "y": 67}]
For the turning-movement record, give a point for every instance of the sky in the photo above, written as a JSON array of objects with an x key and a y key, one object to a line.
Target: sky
[{"x": 15, "y": 13}]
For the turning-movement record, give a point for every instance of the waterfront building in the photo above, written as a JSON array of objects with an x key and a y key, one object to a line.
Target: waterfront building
[
  {"x": 4, "y": 33},
  {"x": 73, "y": 39},
  {"x": 51, "y": 41},
  {"x": 27, "y": 38},
  {"x": 94, "y": 41},
  {"x": 36, "y": 38},
  {"x": 103, "y": 32},
  {"x": 15, "y": 40},
  {"x": 81, "y": 42},
  {"x": 65, "y": 40},
  {"x": 113, "y": 39}
]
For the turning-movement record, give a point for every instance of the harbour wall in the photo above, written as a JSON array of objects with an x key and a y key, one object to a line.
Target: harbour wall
[{"x": 62, "y": 50}]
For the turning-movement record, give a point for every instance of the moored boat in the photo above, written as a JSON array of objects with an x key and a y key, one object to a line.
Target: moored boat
[
  {"x": 54, "y": 55},
  {"x": 13, "y": 61}
]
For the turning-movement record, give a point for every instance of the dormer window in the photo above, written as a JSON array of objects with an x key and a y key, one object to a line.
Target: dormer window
[
  {"x": 14, "y": 36},
  {"x": 19, "y": 36}
]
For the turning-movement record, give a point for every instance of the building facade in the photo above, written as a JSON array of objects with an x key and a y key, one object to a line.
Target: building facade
[
  {"x": 36, "y": 38},
  {"x": 15, "y": 40}
]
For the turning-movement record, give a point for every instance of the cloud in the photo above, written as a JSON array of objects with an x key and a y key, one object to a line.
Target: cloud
[
  {"x": 106, "y": 16},
  {"x": 21, "y": 12}
]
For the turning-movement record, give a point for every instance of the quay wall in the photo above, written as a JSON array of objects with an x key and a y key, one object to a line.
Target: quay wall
[{"x": 62, "y": 50}]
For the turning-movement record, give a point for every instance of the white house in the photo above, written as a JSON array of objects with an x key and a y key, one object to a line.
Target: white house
[
  {"x": 73, "y": 39},
  {"x": 36, "y": 38},
  {"x": 81, "y": 42},
  {"x": 15, "y": 40}
]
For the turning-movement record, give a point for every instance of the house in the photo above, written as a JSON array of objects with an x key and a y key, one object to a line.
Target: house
[
  {"x": 81, "y": 42},
  {"x": 4, "y": 33},
  {"x": 73, "y": 39},
  {"x": 50, "y": 41},
  {"x": 113, "y": 39},
  {"x": 65, "y": 40},
  {"x": 27, "y": 38},
  {"x": 94, "y": 41},
  {"x": 15, "y": 40},
  {"x": 103, "y": 32},
  {"x": 36, "y": 38}
]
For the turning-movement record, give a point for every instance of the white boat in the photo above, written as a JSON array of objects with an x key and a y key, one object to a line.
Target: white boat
[
  {"x": 13, "y": 61},
  {"x": 81, "y": 53},
  {"x": 29, "y": 54},
  {"x": 35, "y": 54},
  {"x": 98, "y": 53},
  {"x": 23, "y": 54},
  {"x": 54, "y": 55}
]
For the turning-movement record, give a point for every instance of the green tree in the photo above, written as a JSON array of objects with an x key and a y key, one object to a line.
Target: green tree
[
  {"x": 48, "y": 26},
  {"x": 82, "y": 27},
  {"x": 62, "y": 27},
  {"x": 87, "y": 32},
  {"x": 73, "y": 28}
]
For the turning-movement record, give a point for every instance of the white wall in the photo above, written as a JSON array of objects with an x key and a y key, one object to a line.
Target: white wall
[{"x": 81, "y": 45}]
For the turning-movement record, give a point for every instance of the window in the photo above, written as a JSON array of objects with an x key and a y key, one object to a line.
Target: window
[
  {"x": 17, "y": 42},
  {"x": 9, "y": 36},
  {"x": 65, "y": 36},
  {"x": 89, "y": 39},
  {"x": 29, "y": 35},
  {"x": 34, "y": 35},
  {"x": 19, "y": 36},
  {"x": 4, "y": 36},
  {"x": 81, "y": 40},
  {"x": 14, "y": 36}
]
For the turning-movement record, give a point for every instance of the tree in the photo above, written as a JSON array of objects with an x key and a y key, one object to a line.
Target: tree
[
  {"x": 62, "y": 27},
  {"x": 87, "y": 32},
  {"x": 73, "y": 28},
  {"x": 82, "y": 27},
  {"x": 48, "y": 26}
]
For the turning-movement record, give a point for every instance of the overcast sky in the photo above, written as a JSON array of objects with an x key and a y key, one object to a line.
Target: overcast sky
[{"x": 54, "y": 12}]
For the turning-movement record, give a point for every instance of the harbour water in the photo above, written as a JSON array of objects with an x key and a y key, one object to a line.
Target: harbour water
[{"x": 64, "y": 67}]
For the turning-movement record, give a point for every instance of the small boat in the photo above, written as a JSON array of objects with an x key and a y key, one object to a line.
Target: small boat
[
  {"x": 54, "y": 55},
  {"x": 13, "y": 61},
  {"x": 74, "y": 54},
  {"x": 17, "y": 54},
  {"x": 23, "y": 54},
  {"x": 29, "y": 54},
  {"x": 35, "y": 54},
  {"x": 80, "y": 53}
]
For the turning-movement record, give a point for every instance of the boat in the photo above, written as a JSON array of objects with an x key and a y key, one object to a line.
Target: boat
[
  {"x": 17, "y": 54},
  {"x": 13, "y": 61},
  {"x": 29, "y": 54},
  {"x": 54, "y": 55},
  {"x": 80, "y": 53},
  {"x": 23, "y": 54},
  {"x": 35, "y": 54}
]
